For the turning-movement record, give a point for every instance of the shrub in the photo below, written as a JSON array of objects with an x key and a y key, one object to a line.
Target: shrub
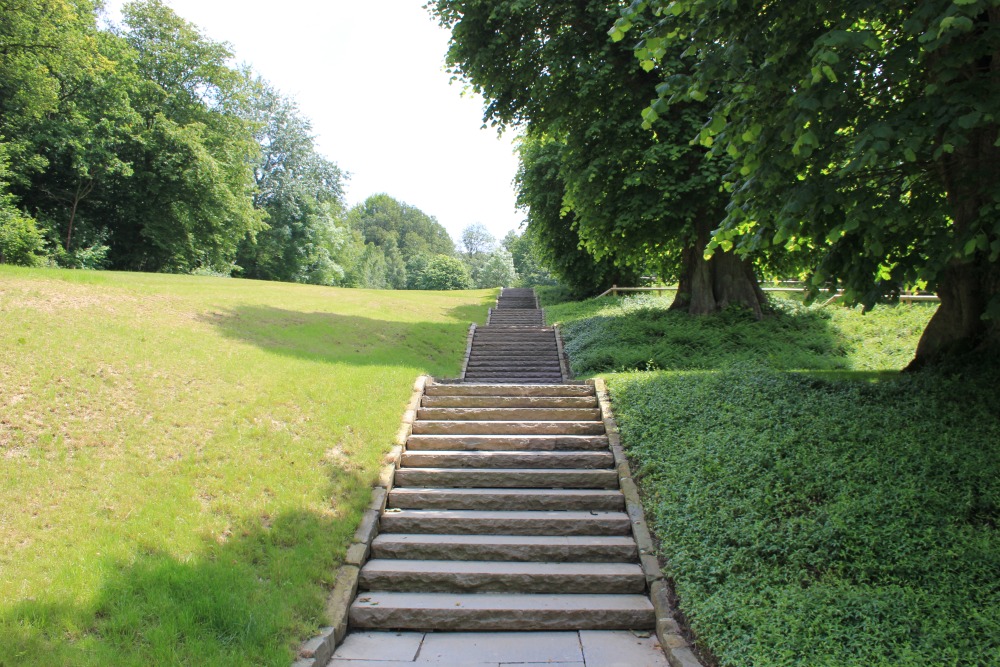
[
  {"x": 444, "y": 273},
  {"x": 21, "y": 242}
]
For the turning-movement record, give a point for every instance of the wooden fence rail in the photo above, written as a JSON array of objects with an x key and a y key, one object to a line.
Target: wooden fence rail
[{"x": 908, "y": 298}]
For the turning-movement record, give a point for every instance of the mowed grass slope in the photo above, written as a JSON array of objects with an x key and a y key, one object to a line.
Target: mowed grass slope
[
  {"x": 183, "y": 459},
  {"x": 816, "y": 507}
]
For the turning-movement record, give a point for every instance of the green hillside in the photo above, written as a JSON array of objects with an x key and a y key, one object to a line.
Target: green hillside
[{"x": 183, "y": 458}]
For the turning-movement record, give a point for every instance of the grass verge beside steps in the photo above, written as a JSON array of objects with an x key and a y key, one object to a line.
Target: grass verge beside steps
[{"x": 183, "y": 459}]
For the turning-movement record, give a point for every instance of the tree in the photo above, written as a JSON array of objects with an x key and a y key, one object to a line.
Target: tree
[
  {"x": 638, "y": 199},
  {"x": 496, "y": 271},
  {"x": 188, "y": 202},
  {"x": 477, "y": 240},
  {"x": 443, "y": 272},
  {"x": 541, "y": 191},
  {"x": 863, "y": 132},
  {"x": 387, "y": 222},
  {"x": 21, "y": 241},
  {"x": 301, "y": 192},
  {"x": 527, "y": 264}
]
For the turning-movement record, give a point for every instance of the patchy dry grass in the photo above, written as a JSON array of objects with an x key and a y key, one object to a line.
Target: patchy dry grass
[{"x": 182, "y": 459}]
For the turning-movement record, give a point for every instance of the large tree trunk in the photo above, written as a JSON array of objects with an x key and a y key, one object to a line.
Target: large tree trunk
[
  {"x": 958, "y": 327},
  {"x": 708, "y": 286}
]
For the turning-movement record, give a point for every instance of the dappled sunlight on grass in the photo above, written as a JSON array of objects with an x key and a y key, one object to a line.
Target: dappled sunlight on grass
[{"x": 638, "y": 332}]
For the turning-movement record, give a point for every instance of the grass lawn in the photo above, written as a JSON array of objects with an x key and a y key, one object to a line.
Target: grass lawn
[
  {"x": 844, "y": 516},
  {"x": 182, "y": 459}
]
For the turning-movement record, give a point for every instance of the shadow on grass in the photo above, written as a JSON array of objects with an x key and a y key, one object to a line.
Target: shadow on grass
[
  {"x": 436, "y": 347},
  {"x": 244, "y": 601},
  {"x": 653, "y": 338}
]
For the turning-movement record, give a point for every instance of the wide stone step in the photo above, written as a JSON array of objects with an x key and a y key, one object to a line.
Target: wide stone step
[
  {"x": 450, "y": 576},
  {"x": 520, "y": 548},
  {"x": 510, "y": 414},
  {"x": 509, "y": 427},
  {"x": 501, "y": 611},
  {"x": 514, "y": 358},
  {"x": 506, "y": 442},
  {"x": 507, "y": 459},
  {"x": 515, "y": 380},
  {"x": 480, "y": 522},
  {"x": 510, "y": 401},
  {"x": 512, "y": 372},
  {"x": 486, "y": 389},
  {"x": 508, "y": 478},
  {"x": 598, "y": 500},
  {"x": 541, "y": 362},
  {"x": 512, "y": 347}
]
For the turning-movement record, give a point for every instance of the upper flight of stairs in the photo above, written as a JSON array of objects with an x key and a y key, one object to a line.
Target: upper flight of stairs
[
  {"x": 514, "y": 346},
  {"x": 506, "y": 512}
]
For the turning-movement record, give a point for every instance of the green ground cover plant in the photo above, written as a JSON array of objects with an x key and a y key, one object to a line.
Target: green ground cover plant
[
  {"x": 814, "y": 506},
  {"x": 637, "y": 332},
  {"x": 182, "y": 458},
  {"x": 825, "y": 523}
]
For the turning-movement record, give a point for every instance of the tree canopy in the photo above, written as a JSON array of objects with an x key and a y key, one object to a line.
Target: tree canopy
[
  {"x": 862, "y": 136},
  {"x": 641, "y": 201}
]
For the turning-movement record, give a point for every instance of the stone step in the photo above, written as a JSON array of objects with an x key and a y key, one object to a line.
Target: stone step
[
  {"x": 527, "y": 373},
  {"x": 508, "y": 459},
  {"x": 451, "y": 576},
  {"x": 507, "y": 478},
  {"x": 463, "y": 389},
  {"x": 599, "y": 500},
  {"x": 513, "y": 358},
  {"x": 509, "y": 427},
  {"x": 498, "y": 362},
  {"x": 514, "y": 347},
  {"x": 512, "y": 377},
  {"x": 506, "y": 442},
  {"x": 480, "y": 522},
  {"x": 520, "y": 548},
  {"x": 509, "y": 402},
  {"x": 501, "y": 611},
  {"x": 509, "y": 414},
  {"x": 515, "y": 380}
]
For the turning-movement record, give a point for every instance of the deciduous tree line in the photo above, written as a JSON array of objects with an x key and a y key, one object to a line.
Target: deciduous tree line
[
  {"x": 851, "y": 144},
  {"x": 142, "y": 147}
]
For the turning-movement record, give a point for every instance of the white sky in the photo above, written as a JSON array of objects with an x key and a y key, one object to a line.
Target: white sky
[{"x": 370, "y": 76}]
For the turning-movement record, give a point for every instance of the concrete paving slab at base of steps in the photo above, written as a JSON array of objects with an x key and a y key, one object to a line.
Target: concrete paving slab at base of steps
[
  {"x": 509, "y": 402},
  {"x": 515, "y": 548},
  {"x": 451, "y": 576},
  {"x": 461, "y": 648},
  {"x": 509, "y": 414},
  {"x": 621, "y": 649},
  {"x": 480, "y": 522},
  {"x": 509, "y": 427},
  {"x": 501, "y": 611},
  {"x": 484, "y": 442},
  {"x": 507, "y": 478},
  {"x": 607, "y": 500},
  {"x": 508, "y": 459},
  {"x": 490, "y": 389}
]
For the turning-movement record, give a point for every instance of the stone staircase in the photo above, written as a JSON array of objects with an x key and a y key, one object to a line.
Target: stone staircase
[
  {"x": 506, "y": 512},
  {"x": 514, "y": 346}
]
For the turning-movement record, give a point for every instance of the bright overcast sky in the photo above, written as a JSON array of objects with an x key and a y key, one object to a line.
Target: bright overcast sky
[{"x": 370, "y": 76}]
